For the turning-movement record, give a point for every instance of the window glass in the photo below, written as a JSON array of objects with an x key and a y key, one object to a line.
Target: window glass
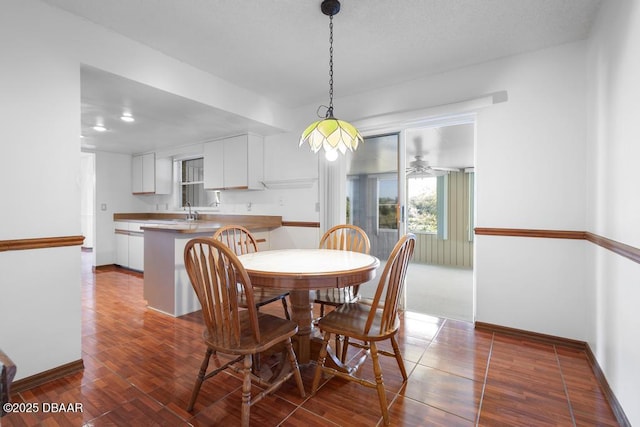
[
  {"x": 350, "y": 194},
  {"x": 192, "y": 182},
  {"x": 387, "y": 204},
  {"x": 422, "y": 195}
]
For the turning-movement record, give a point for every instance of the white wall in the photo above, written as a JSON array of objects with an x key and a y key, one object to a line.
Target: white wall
[
  {"x": 39, "y": 183},
  {"x": 614, "y": 200},
  {"x": 531, "y": 148}
]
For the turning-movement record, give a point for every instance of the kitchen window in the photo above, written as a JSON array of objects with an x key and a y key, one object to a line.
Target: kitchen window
[{"x": 191, "y": 173}]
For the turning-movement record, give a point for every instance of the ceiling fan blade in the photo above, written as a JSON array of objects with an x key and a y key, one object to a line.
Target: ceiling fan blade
[{"x": 445, "y": 169}]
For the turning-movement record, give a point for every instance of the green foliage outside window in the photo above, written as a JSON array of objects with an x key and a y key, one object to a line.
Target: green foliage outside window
[
  {"x": 387, "y": 215},
  {"x": 423, "y": 214},
  {"x": 423, "y": 205}
]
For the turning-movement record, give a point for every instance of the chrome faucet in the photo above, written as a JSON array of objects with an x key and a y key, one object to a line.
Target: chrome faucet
[{"x": 190, "y": 216}]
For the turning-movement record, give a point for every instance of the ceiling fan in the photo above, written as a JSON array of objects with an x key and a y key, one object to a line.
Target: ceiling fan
[{"x": 419, "y": 167}]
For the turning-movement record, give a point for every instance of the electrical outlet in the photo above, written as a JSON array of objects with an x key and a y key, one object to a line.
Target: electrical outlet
[{"x": 103, "y": 207}]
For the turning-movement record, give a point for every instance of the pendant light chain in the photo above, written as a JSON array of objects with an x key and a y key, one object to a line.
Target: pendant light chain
[
  {"x": 330, "y": 134},
  {"x": 330, "y": 110}
]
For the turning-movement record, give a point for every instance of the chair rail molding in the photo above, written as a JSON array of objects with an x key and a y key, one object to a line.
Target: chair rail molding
[
  {"x": 40, "y": 243},
  {"x": 627, "y": 251}
]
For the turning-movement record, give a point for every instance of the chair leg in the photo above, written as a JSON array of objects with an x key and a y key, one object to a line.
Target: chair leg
[
  {"x": 321, "y": 310},
  {"x": 377, "y": 371},
  {"x": 246, "y": 391},
  {"x": 345, "y": 345},
  {"x": 339, "y": 345},
  {"x": 286, "y": 309},
  {"x": 321, "y": 359},
  {"x": 396, "y": 353},
  {"x": 294, "y": 366},
  {"x": 199, "y": 379}
]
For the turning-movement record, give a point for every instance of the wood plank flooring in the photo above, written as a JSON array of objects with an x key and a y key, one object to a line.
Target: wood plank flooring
[{"x": 140, "y": 366}]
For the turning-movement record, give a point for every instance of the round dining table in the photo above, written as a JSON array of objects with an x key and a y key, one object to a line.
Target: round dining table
[{"x": 301, "y": 271}]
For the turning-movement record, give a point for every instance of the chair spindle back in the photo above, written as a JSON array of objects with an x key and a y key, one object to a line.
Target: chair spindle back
[
  {"x": 238, "y": 238},
  {"x": 392, "y": 279},
  {"x": 217, "y": 276},
  {"x": 346, "y": 237}
]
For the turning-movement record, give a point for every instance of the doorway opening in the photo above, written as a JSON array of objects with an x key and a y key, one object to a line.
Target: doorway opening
[
  {"x": 420, "y": 180},
  {"x": 88, "y": 201}
]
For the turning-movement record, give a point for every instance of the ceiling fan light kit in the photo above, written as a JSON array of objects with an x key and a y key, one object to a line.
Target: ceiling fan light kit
[{"x": 331, "y": 134}]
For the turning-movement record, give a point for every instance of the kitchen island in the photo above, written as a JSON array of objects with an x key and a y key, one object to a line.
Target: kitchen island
[{"x": 166, "y": 284}]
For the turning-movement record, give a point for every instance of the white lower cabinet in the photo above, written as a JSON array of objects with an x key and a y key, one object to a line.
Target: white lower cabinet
[
  {"x": 122, "y": 249},
  {"x": 136, "y": 252},
  {"x": 129, "y": 245}
]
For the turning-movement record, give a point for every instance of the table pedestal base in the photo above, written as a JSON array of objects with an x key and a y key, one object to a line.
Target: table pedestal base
[{"x": 308, "y": 341}]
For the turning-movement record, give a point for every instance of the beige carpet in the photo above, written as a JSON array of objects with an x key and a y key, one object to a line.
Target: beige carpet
[{"x": 435, "y": 290}]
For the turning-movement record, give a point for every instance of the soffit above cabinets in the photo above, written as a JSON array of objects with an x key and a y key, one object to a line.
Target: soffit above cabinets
[{"x": 162, "y": 120}]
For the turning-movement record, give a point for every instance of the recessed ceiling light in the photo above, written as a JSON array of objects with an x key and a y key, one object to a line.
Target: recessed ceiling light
[
  {"x": 127, "y": 117},
  {"x": 99, "y": 128}
]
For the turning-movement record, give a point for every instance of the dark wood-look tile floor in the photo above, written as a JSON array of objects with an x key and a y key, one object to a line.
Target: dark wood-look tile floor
[{"x": 140, "y": 366}]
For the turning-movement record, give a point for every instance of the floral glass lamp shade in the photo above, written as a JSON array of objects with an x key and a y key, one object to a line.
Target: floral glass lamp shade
[{"x": 331, "y": 134}]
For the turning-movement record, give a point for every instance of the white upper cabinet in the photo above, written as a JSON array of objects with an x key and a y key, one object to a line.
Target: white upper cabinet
[
  {"x": 213, "y": 164},
  {"x": 234, "y": 163},
  {"x": 151, "y": 175}
]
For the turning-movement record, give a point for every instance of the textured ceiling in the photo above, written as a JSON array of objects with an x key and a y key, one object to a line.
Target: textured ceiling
[{"x": 279, "y": 49}]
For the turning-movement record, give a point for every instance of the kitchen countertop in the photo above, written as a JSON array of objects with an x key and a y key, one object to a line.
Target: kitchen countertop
[{"x": 208, "y": 223}]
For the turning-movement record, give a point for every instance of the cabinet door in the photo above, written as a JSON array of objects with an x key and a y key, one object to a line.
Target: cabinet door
[
  {"x": 234, "y": 163},
  {"x": 213, "y": 160},
  {"x": 136, "y": 252},
  {"x": 149, "y": 173},
  {"x": 136, "y": 175},
  {"x": 235, "y": 166},
  {"x": 164, "y": 176},
  {"x": 255, "y": 162},
  {"x": 122, "y": 249}
]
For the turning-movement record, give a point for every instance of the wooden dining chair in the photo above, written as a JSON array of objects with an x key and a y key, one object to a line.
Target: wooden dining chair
[
  {"x": 241, "y": 241},
  {"x": 370, "y": 324},
  {"x": 345, "y": 237},
  {"x": 216, "y": 274}
]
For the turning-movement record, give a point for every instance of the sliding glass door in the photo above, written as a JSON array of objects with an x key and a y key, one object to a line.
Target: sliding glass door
[{"x": 373, "y": 195}]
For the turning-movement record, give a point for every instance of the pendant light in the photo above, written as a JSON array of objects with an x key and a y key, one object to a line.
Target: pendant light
[{"x": 330, "y": 133}]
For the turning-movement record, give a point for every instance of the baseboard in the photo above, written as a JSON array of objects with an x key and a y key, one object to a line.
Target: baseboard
[
  {"x": 618, "y": 412},
  {"x": 113, "y": 267},
  {"x": 533, "y": 336},
  {"x": 47, "y": 376},
  {"x": 621, "y": 417}
]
